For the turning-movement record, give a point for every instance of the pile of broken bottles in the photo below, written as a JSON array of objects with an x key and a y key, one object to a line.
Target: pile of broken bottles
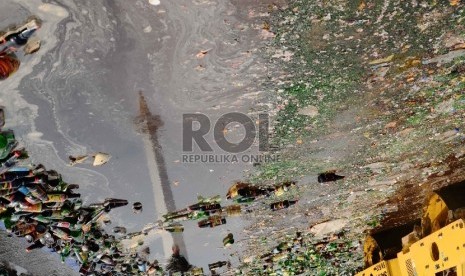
[
  {"x": 304, "y": 254},
  {"x": 210, "y": 213},
  {"x": 35, "y": 203},
  {"x": 208, "y": 210}
]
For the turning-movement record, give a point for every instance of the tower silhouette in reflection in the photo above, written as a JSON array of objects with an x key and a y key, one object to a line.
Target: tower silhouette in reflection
[{"x": 149, "y": 124}]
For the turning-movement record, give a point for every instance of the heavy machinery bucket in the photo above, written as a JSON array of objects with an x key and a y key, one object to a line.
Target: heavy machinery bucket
[
  {"x": 440, "y": 253},
  {"x": 384, "y": 245},
  {"x": 443, "y": 207}
]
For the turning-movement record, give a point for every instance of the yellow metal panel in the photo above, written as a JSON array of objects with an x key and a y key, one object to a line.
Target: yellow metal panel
[
  {"x": 406, "y": 264},
  {"x": 441, "y": 250},
  {"x": 393, "y": 267},
  {"x": 461, "y": 270},
  {"x": 383, "y": 268}
]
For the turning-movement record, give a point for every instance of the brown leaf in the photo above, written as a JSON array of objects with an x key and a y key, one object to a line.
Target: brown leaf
[
  {"x": 266, "y": 26},
  {"x": 202, "y": 53}
]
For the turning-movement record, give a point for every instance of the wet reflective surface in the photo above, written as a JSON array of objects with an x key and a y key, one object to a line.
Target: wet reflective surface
[{"x": 79, "y": 94}]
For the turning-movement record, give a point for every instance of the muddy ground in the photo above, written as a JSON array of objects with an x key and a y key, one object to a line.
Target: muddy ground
[{"x": 371, "y": 90}]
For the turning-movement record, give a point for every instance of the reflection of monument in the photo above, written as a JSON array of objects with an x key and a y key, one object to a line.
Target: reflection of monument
[{"x": 164, "y": 201}]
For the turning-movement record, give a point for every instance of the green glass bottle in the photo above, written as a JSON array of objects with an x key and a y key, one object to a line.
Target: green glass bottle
[
  {"x": 195, "y": 215},
  {"x": 65, "y": 252},
  {"x": 42, "y": 219},
  {"x": 81, "y": 256},
  {"x": 8, "y": 223},
  {"x": 176, "y": 228},
  {"x": 7, "y": 143},
  {"x": 228, "y": 240},
  {"x": 6, "y": 213},
  {"x": 244, "y": 199}
]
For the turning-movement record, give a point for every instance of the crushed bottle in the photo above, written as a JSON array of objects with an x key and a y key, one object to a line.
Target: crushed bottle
[
  {"x": 329, "y": 177},
  {"x": 228, "y": 240},
  {"x": 282, "y": 204}
]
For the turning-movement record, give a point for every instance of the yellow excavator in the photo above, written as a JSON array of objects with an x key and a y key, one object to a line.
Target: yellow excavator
[{"x": 433, "y": 245}]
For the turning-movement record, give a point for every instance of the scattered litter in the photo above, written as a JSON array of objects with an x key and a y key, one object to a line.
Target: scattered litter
[
  {"x": 175, "y": 228},
  {"x": 32, "y": 46},
  {"x": 119, "y": 230},
  {"x": 282, "y": 204},
  {"x": 228, "y": 240},
  {"x": 212, "y": 221},
  {"x": 100, "y": 158},
  {"x": 13, "y": 40},
  {"x": 154, "y": 2},
  {"x": 329, "y": 177},
  {"x": 77, "y": 159},
  {"x": 216, "y": 265},
  {"x": 202, "y": 53},
  {"x": 137, "y": 207},
  {"x": 148, "y": 29}
]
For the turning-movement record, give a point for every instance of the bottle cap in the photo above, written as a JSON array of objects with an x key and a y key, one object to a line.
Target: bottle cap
[{"x": 29, "y": 238}]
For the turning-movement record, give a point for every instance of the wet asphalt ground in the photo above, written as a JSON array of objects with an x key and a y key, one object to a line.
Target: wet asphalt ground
[{"x": 79, "y": 94}]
